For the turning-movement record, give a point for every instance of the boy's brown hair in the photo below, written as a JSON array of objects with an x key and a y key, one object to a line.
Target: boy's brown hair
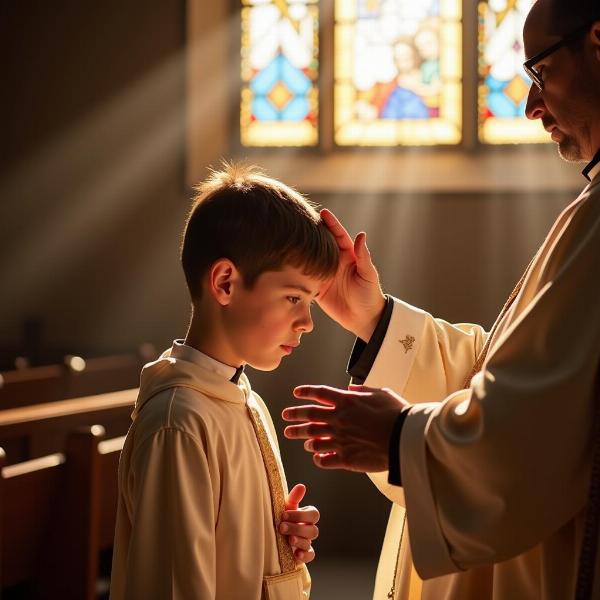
[{"x": 258, "y": 223}]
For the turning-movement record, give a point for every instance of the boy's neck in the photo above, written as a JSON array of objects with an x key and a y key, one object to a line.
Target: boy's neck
[{"x": 204, "y": 335}]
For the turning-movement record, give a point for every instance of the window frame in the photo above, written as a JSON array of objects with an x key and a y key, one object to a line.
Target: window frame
[
  {"x": 473, "y": 165},
  {"x": 326, "y": 83}
]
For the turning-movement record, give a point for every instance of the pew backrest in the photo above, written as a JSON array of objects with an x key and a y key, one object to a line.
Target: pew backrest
[
  {"x": 35, "y": 385},
  {"x": 57, "y": 513},
  {"x": 33, "y": 431}
]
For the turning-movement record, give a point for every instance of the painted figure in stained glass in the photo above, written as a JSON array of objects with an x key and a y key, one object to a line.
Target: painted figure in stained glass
[
  {"x": 401, "y": 79},
  {"x": 390, "y": 67},
  {"x": 279, "y": 71}
]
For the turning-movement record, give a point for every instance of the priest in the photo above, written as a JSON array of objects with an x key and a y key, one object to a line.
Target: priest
[{"x": 484, "y": 440}]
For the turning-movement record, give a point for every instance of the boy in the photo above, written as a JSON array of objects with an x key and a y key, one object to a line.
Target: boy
[{"x": 201, "y": 486}]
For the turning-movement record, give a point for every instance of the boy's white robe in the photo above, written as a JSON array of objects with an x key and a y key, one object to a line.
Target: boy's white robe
[
  {"x": 194, "y": 518},
  {"x": 496, "y": 476}
]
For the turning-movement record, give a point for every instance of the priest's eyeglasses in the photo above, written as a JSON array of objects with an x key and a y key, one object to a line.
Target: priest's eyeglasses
[{"x": 529, "y": 65}]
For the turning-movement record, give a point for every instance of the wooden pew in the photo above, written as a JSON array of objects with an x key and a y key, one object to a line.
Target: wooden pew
[
  {"x": 32, "y": 385},
  {"x": 33, "y": 431},
  {"x": 56, "y": 513},
  {"x": 73, "y": 379}
]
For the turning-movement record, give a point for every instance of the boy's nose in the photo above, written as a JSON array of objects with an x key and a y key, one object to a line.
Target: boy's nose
[{"x": 305, "y": 324}]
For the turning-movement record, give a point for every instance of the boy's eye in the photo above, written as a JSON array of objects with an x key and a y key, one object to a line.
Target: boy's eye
[{"x": 294, "y": 299}]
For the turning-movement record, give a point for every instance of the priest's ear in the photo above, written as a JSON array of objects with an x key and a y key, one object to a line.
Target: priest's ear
[{"x": 223, "y": 277}]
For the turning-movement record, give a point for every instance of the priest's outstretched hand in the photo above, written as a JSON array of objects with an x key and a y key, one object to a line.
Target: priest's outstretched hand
[
  {"x": 353, "y": 297},
  {"x": 348, "y": 429},
  {"x": 300, "y": 524}
]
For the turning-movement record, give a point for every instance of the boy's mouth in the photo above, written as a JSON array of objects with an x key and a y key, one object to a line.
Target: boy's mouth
[{"x": 287, "y": 348}]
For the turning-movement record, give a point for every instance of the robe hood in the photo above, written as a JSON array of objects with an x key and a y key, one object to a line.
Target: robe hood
[{"x": 168, "y": 371}]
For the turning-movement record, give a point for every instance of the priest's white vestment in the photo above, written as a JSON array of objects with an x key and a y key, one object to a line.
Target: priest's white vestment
[{"x": 495, "y": 477}]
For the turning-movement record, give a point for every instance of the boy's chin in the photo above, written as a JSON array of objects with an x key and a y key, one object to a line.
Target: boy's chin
[{"x": 265, "y": 365}]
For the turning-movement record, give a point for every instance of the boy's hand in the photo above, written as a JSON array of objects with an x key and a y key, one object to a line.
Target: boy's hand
[
  {"x": 300, "y": 525},
  {"x": 353, "y": 298}
]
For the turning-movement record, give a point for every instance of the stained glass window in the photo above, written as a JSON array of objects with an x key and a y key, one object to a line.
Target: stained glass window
[
  {"x": 503, "y": 86},
  {"x": 279, "y": 68},
  {"x": 397, "y": 72}
]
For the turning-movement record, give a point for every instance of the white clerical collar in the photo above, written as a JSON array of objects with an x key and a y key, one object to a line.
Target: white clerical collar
[{"x": 184, "y": 352}]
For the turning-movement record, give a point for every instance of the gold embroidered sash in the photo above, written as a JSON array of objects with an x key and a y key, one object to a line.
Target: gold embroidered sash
[{"x": 287, "y": 562}]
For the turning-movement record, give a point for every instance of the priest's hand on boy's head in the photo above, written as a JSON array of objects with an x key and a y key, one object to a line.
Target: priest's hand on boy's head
[
  {"x": 353, "y": 297},
  {"x": 300, "y": 524},
  {"x": 349, "y": 430}
]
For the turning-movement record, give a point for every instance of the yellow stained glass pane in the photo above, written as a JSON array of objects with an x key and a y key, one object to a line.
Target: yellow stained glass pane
[
  {"x": 279, "y": 104},
  {"x": 451, "y": 59},
  {"x": 511, "y": 130},
  {"x": 503, "y": 86},
  {"x": 451, "y": 106},
  {"x": 398, "y": 72},
  {"x": 345, "y": 11},
  {"x": 451, "y": 9},
  {"x": 343, "y": 60}
]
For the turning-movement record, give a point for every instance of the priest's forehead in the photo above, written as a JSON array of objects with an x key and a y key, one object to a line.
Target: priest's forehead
[
  {"x": 540, "y": 30},
  {"x": 550, "y": 20}
]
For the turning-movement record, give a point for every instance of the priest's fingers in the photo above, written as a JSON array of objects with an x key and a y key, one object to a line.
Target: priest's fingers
[
  {"x": 329, "y": 460},
  {"x": 353, "y": 387},
  {"x": 321, "y": 445},
  {"x": 304, "y": 556},
  {"x": 309, "y": 412},
  {"x": 299, "y": 542},
  {"x": 339, "y": 232},
  {"x": 324, "y": 394},
  {"x": 306, "y": 430},
  {"x": 306, "y": 514},
  {"x": 364, "y": 263}
]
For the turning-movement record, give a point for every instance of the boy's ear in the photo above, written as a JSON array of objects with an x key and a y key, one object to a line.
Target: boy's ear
[{"x": 222, "y": 279}]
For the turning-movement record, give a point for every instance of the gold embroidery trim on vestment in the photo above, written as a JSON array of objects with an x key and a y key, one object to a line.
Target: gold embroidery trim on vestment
[
  {"x": 287, "y": 562},
  {"x": 392, "y": 591}
]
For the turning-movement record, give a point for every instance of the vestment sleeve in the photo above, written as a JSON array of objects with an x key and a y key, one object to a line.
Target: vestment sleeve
[
  {"x": 493, "y": 470},
  {"x": 172, "y": 545},
  {"x": 422, "y": 359}
]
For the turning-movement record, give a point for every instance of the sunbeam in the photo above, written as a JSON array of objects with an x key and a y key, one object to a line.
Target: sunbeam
[{"x": 102, "y": 168}]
